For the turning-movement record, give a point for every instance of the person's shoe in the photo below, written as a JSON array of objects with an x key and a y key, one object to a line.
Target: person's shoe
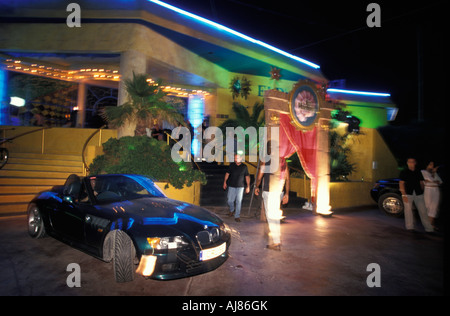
[
  {"x": 230, "y": 214},
  {"x": 237, "y": 219},
  {"x": 276, "y": 247}
]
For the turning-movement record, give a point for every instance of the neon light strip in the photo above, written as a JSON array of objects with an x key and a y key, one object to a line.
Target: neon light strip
[
  {"x": 236, "y": 33},
  {"x": 174, "y": 220},
  {"x": 375, "y": 94},
  {"x": 3, "y": 106}
]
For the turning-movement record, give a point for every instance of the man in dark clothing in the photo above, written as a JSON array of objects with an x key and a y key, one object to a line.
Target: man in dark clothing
[
  {"x": 411, "y": 187},
  {"x": 236, "y": 179}
]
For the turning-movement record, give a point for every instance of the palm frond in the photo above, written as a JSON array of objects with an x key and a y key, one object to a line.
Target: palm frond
[
  {"x": 138, "y": 87},
  {"x": 241, "y": 111},
  {"x": 258, "y": 108},
  {"x": 147, "y": 103},
  {"x": 229, "y": 123},
  {"x": 117, "y": 116}
]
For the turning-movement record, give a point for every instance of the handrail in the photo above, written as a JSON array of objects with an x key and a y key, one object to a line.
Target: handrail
[
  {"x": 42, "y": 145},
  {"x": 4, "y": 140},
  {"x": 23, "y": 134},
  {"x": 85, "y": 166}
]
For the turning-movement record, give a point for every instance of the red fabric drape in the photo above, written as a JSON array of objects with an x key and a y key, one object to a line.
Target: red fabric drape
[{"x": 302, "y": 142}]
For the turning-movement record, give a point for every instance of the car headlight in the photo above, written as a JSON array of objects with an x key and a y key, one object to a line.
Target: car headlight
[{"x": 161, "y": 243}]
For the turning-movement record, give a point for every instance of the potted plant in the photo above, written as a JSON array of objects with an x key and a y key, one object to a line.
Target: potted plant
[{"x": 146, "y": 156}]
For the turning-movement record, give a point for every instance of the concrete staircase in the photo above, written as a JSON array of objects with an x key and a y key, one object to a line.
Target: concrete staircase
[{"x": 27, "y": 174}]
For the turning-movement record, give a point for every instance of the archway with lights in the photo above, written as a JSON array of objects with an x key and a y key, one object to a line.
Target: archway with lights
[{"x": 302, "y": 117}]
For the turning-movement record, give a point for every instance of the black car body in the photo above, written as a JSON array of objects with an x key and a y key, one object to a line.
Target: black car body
[
  {"x": 387, "y": 194},
  {"x": 128, "y": 220}
]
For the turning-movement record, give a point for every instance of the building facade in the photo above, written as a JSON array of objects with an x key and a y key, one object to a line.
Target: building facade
[{"x": 90, "y": 49}]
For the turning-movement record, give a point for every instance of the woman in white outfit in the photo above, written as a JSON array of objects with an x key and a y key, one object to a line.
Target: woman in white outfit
[{"x": 431, "y": 192}]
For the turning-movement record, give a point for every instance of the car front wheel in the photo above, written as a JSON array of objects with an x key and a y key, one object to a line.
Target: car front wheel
[
  {"x": 391, "y": 204},
  {"x": 123, "y": 260},
  {"x": 36, "y": 227}
]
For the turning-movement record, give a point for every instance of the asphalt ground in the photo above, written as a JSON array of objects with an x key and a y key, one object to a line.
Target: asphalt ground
[{"x": 319, "y": 256}]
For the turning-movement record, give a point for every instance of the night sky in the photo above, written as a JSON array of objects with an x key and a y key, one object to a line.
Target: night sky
[{"x": 334, "y": 34}]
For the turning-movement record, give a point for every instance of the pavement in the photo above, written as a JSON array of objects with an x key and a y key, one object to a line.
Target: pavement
[{"x": 320, "y": 256}]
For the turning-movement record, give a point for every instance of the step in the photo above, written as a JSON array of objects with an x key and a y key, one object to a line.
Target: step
[
  {"x": 34, "y": 167},
  {"x": 36, "y": 174},
  {"x": 13, "y": 209},
  {"x": 16, "y": 198},
  {"x": 27, "y": 174},
  {"x": 46, "y": 156},
  {"x": 41, "y": 161},
  {"x": 30, "y": 181},
  {"x": 23, "y": 189}
]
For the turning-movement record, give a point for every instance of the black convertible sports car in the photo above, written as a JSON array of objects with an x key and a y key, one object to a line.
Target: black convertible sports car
[{"x": 128, "y": 220}]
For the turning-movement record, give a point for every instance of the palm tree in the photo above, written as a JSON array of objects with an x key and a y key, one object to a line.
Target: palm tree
[
  {"x": 147, "y": 103},
  {"x": 340, "y": 152},
  {"x": 245, "y": 119}
]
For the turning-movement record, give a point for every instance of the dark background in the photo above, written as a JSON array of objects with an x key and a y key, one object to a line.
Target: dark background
[
  {"x": 334, "y": 34},
  {"x": 403, "y": 57}
]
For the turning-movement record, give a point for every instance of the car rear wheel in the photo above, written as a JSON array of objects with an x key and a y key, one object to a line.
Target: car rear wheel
[
  {"x": 391, "y": 204},
  {"x": 36, "y": 227},
  {"x": 123, "y": 260}
]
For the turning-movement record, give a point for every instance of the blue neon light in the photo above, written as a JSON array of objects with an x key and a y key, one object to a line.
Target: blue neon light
[
  {"x": 3, "y": 105},
  {"x": 375, "y": 94},
  {"x": 196, "y": 107},
  {"x": 236, "y": 33},
  {"x": 174, "y": 220},
  {"x": 130, "y": 223}
]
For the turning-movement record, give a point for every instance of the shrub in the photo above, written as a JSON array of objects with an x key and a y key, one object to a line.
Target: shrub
[{"x": 145, "y": 156}]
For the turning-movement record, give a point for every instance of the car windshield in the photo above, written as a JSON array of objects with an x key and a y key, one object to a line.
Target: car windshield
[{"x": 123, "y": 187}]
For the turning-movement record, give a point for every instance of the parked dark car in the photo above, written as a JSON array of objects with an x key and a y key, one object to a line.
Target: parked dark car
[
  {"x": 387, "y": 194},
  {"x": 128, "y": 220}
]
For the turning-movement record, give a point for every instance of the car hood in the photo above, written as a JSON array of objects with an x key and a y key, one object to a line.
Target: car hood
[{"x": 164, "y": 211}]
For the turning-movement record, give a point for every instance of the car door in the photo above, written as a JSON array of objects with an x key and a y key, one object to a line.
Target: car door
[
  {"x": 97, "y": 223},
  {"x": 68, "y": 220},
  {"x": 97, "y": 219},
  {"x": 75, "y": 217}
]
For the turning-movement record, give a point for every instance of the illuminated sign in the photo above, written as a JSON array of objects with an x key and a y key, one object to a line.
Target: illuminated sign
[{"x": 304, "y": 105}]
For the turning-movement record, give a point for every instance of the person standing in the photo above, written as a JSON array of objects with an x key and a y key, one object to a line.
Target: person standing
[
  {"x": 272, "y": 194},
  {"x": 432, "y": 194},
  {"x": 236, "y": 180},
  {"x": 411, "y": 187}
]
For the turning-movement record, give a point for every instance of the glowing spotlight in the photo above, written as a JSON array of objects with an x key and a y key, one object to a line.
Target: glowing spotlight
[
  {"x": 323, "y": 206},
  {"x": 16, "y": 101}
]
